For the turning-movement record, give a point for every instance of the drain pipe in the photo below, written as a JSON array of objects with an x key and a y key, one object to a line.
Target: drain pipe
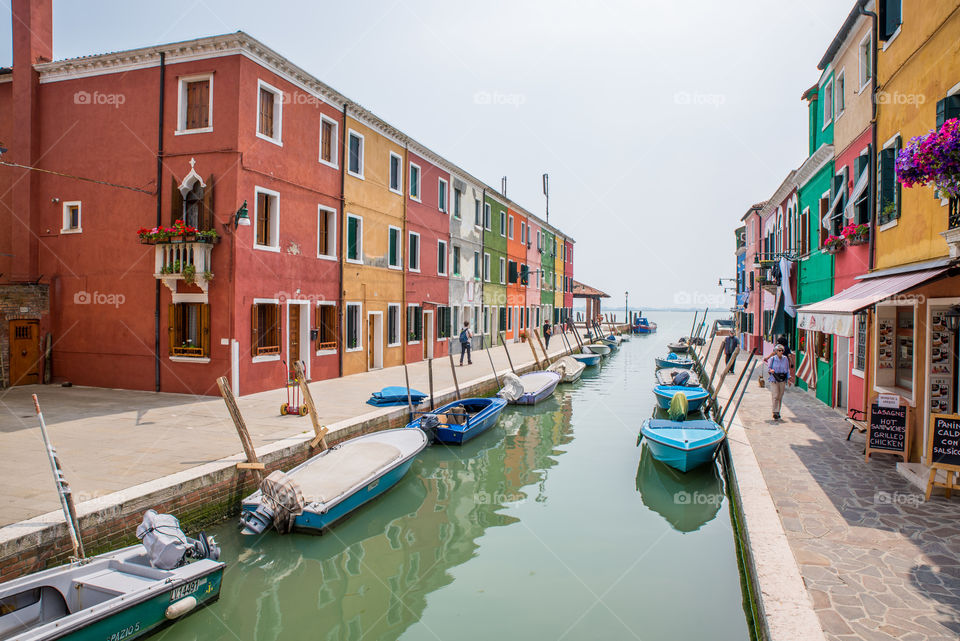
[
  {"x": 156, "y": 295},
  {"x": 873, "y": 149},
  {"x": 340, "y": 230}
]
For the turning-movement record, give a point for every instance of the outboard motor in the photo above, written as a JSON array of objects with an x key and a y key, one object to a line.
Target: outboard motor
[
  {"x": 429, "y": 424},
  {"x": 257, "y": 521},
  {"x": 166, "y": 544}
]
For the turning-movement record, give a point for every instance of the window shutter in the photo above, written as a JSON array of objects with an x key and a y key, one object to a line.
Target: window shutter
[
  {"x": 352, "y": 239},
  {"x": 205, "y": 329},
  {"x": 887, "y": 178},
  {"x": 941, "y": 112},
  {"x": 206, "y": 214},
  {"x": 896, "y": 183},
  {"x": 176, "y": 202},
  {"x": 171, "y": 327},
  {"x": 253, "y": 326},
  {"x": 947, "y": 109}
]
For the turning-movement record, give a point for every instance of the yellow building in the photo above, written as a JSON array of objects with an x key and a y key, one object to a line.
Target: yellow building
[{"x": 372, "y": 239}]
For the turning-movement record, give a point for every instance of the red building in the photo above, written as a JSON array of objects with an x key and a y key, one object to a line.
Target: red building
[
  {"x": 428, "y": 231},
  {"x": 568, "y": 277},
  {"x": 517, "y": 274},
  {"x": 535, "y": 277}
]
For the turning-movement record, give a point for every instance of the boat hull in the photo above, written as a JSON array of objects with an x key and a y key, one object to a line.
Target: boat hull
[
  {"x": 678, "y": 349},
  {"x": 670, "y": 446},
  {"x": 597, "y": 348},
  {"x": 679, "y": 362},
  {"x": 696, "y": 396},
  {"x": 590, "y": 360},
  {"x": 532, "y": 398}
]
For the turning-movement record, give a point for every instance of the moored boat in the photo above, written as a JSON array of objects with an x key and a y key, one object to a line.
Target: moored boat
[
  {"x": 669, "y": 376},
  {"x": 569, "y": 369},
  {"x": 683, "y": 445},
  {"x": 529, "y": 389},
  {"x": 672, "y": 360},
  {"x": 680, "y": 347},
  {"x": 696, "y": 396},
  {"x": 590, "y": 360},
  {"x": 327, "y": 487},
  {"x": 597, "y": 348},
  {"x": 462, "y": 420}
]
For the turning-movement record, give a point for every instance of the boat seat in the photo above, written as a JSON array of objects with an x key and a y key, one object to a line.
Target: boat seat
[
  {"x": 113, "y": 581},
  {"x": 343, "y": 468},
  {"x": 456, "y": 415}
]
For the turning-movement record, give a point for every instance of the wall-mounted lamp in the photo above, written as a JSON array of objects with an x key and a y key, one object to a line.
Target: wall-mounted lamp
[
  {"x": 242, "y": 217},
  {"x": 952, "y": 318}
]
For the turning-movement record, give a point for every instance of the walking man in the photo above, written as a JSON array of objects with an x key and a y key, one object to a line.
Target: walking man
[
  {"x": 546, "y": 334},
  {"x": 465, "y": 336},
  {"x": 730, "y": 345}
]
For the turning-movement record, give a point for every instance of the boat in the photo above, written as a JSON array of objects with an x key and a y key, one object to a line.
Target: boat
[
  {"x": 672, "y": 360},
  {"x": 528, "y": 389},
  {"x": 683, "y": 445},
  {"x": 597, "y": 348},
  {"x": 666, "y": 376},
  {"x": 680, "y": 347},
  {"x": 124, "y": 594},
  {"x": 644, "y": 326},
  {"x": 612, "y": 340},
  {"x": 569, "y": 369},
  {"x": 590, "y": 360},
  {"x": 696, "y": 396},
  {"x": 687, "y": 501},
  {"x": 314, "y": 495},
  {"x": 460, "y": 421},
  {"x": 395, "y": 395}
]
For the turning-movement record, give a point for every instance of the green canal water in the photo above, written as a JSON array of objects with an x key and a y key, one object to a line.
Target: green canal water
[{"x": 552, "y": 525}]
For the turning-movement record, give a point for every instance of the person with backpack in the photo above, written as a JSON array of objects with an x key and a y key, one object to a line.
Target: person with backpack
[
  {"x": 546, "y": 334},
  {"x": 779, "y": 368},
  {"x": 465, "y": 336}
]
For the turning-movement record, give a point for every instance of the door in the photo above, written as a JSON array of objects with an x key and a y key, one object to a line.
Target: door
[
  {"x": 428, "y": 334},
  {"x": 293, "y": 335},
  {"x": 24, "y": 352},
  {"x": 375, "y": 336},
  {"x": 843, "y": 372}
]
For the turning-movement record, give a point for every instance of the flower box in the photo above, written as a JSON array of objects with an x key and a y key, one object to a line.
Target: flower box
[
  {"x": 833, "y": 249},
  {"x": 858, "y": 240}
]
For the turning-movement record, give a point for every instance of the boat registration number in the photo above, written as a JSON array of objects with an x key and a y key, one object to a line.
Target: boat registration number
[
  {"x": 186, "y": 589},
  {"x": 124, "y": 633}
]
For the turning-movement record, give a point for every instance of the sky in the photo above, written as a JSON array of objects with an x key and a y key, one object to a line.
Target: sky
[{"x": 659, "y": 122}]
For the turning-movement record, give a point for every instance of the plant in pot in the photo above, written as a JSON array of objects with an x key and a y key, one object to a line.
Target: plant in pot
[
  {"x": 523, "y": 336},
  {"x": 208, "y": 236},
  {"x": 856, "y": 234},
  {"x": 189, "y": 274},
  {"x": 833, "y": 244},
  {"x": 207, "y": 275},
  {"x": 933, "y": 159}
]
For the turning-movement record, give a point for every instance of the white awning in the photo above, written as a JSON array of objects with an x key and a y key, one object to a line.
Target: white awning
[
  {"x": 832, "y": 211},
  {"x": 858, "y": 191}
]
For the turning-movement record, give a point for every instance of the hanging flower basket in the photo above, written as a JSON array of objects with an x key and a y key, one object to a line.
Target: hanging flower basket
[
  {"x": 833, "y": 244},
  {"x": 933, "y": 159},
  {"x": 856, "y": 234}
]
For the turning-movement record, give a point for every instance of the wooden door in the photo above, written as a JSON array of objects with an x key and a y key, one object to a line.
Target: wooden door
[
  {"x": 294, "y": 330},
  {"x": 24, "y": 352}
]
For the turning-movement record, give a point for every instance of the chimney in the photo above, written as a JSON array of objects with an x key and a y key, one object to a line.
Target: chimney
[{"x": 32, "y": 43}]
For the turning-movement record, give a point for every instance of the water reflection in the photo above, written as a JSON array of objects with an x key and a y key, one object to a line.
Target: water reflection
[{"x": 688, "y": 501}]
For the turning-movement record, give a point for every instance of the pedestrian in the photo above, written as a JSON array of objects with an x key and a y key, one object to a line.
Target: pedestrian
[
  {"x": 546, "y": 334},
  {"x": 787, "y": 351},
  {"x": 465, "y": 336},
  {"x": 778, "y": 366},
  {"x": 730, "y": 345}
]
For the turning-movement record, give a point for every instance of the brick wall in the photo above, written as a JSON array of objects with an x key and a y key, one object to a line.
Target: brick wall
[{"x": 19, "y": 302}]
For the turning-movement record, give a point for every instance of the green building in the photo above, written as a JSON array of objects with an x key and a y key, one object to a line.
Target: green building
[
  {"x": 547, "y": 277},
  {"x": 494, "y": 267}
]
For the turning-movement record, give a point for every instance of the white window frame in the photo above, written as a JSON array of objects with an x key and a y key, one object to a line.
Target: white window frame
[
  {"x": 65, "y": 221},
  {"x": 454, "y": 251},
  {"x": 909, "y": 398},
  {"x": 399, "y": 342},
  {"x": 266, "y": 358},
  {"x": 346, "y": 249},
  {"x": 862, "y": 80},
  {"x": 503, "y": 223},
  {"x": 422, "y": 324},
  {"x": 323, "y": 210},
  {"x": 418, "y": 195},
  {"x": 351, "y": 132},
  {"x": 477, "y": 266},
  {"x": 346, "y": 316},
  {"x": 399, "y": 175},
  {"x": 503, "y": 276},
  {"x": 442, "y": 245},
  {"x": 393, "y": 228},
  {"x": 891, "y": 142},
  {"x": 477, "y": 213},
  {"x": 840, "y": 103},
  {"x": 510, "y": 223},
  {"x": 443, "y": 195},
  {"x": 833, "y": 104},
  {"x": 334, "y": 143},
  {"x": 325, "y": 303},
  {"x": 277, "y": 112},
  {"x": 182, "y": 105},
  {"x": 410, "y": 254},
  {"x": 859, "y": 373},
  {"x": 487, "y": 217},
  {"x": 486, "y": 268},
  {"x": 523, "y": 232},
  {"x": 274, "y": 224}
]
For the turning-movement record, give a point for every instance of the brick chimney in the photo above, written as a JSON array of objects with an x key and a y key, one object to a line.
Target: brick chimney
[{"x": 32, "y": 43}]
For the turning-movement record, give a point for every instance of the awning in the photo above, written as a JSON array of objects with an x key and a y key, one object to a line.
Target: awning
[
  {"x": 833, "y": 211},
  {"x": 743, "y": 298},
  {"x": 779, "y": 325},
  {"x": 859, "y": 191},
  {"x": 835, "y": 314}
]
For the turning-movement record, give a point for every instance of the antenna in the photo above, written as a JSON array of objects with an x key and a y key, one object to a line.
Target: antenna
[
  {"x": 546, "y": 192},
  {"x": 503, "y": 185}
]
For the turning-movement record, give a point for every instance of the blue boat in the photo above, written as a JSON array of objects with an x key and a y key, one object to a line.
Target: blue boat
[
  {"x": 682, "y": 445},
  {"x": 590, "y": 360},
  {"x": 611, "y": 341},
  {"x": 395, "y": 395},
  {"x": 696, "y": 396},
  {"x": 672, "y": 360},
  {"x": 644, "y": 326},
  {"x": 460, "y": 421},
  {"x": 334, "y": 483}
]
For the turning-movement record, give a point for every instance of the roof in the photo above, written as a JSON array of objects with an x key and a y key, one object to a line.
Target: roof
[
  {"x": 841, "y": 36},
  {"x": 810, "y": 93},
  {"x": 754, "y": 208},
  {"x": 585, "y": 291}
]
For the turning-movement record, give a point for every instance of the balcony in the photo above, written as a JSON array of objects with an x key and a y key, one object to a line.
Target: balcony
[
  {"x": 952, "y": 235},
  {"x": 189, "y": 262}
]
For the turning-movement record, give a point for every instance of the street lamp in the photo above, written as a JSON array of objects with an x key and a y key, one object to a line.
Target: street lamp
[
  {"x": 626, "y": 306},
  {"x": 952, "y": 318}
]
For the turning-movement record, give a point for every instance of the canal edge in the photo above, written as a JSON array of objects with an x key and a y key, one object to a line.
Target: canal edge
[{"x": 784, "y": 607}]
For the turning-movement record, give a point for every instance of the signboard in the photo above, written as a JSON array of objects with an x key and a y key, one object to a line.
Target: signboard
[
  {"x": 943, "y": 450},
  {"x": 889, "y": 431},
  {"x": 888, "y": 400}
]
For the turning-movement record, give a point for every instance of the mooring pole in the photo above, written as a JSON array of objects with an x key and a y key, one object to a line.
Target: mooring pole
[
  {"x": 507, "y": 350},
  {"x": 453, "y": 369},
  {"x": 490, "y": 356},
  {"x": 430, "y": 377}
]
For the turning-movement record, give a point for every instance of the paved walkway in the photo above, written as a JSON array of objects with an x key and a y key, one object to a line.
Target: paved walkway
[
  {"x": 877, "y": 561},
  {"x": 109, "y": 440}
]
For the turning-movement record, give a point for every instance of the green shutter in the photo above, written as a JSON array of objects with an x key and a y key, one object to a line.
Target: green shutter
[
  {"x": 887, "y": 180},
  {"x": 393, "y": 248},
  {"x": 352, "y": 251}
]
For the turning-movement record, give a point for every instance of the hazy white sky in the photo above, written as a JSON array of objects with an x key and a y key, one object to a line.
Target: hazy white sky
[{"x": 658, "y": 122}]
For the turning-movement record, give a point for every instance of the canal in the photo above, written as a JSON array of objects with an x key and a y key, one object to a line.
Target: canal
[{"x": 552, "y": 525}]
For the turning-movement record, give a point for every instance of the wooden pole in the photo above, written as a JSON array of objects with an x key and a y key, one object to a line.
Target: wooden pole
[
  {"x": 743, "y": 372},
  {"x": 490, "y": 356},
  {"x": 507, "y": 350},
  {"x": 546, "y": 357},
  {"x": 695, "y": 314},
  {"x": 319, "y": 431},
  {"x": 253, "y": 464},
  {"x": 430, "y": 377},
  {"x": 533, "y": 351},
  {"x": 406, "y": 376},
  {"x": 723, "y": 375},
  {"x": 742, "y": 391},
  {"x": 453, "y": 369}
]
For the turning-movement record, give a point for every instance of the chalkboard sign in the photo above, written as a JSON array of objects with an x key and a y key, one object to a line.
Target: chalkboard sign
[
  {"x": 943, "y": 451},
  {"x": 888, "y": 432}
]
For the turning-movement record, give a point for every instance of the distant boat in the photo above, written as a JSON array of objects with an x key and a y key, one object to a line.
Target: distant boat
[
  {"x": 682, "y": 445},
  {"x": 529, "y": 389},
  {"x": 597, "y": 348},
  {"x": 330, "y": 485},
  {"x": 568, "y": 368},
  {"x": 644, "y": 326},
  {"x": 462, "y": 420},
  {"x": 672, "y": 360},
  {"x": 680, "y": 347},
  {"x": 696, "y": 396},
  {"x": 590, "y": 360},
  {"x": 666, "y": 375}
]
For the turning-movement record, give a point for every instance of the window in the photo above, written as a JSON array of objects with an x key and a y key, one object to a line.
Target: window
[
  {"x": 486, "y": 268},
  {"x": 355, "y": 154},
  {"x": 394, "y": 259},
  {"x": 189, "y": 327},
  {"x": 503, "y": 223},
  {"x": 442, "y": 195},
  {"x": 947, "y": 109},
  {"x": 503, "y": 271},
  {"x": 510, "y": 228},
  {"x": 827, "y": 103},
  {"x": 839, "y": 191},
  {"x": 354, "y": 239},
  {"x": 477, "y": 220},
  {"x": 503, "y": 319},
  {"x": 352, "y": 337},
  {"x": 456, "y": 203},
  {"x": 476, "y": 265},
  {"x": 269, "y": 113},
  {"x": 71, "y": 217},
  {"x": 328, "y": 141},
  {"x": 396, "y": 173},
  {"x": 455, "y": 260},
  {"x": 327, "y": 337},
  {"x": 511, "y": 312},
  {"x": 512, "y": 273},
  {"x": 889, "y": 12},
  {"x": 393, "y": 325},
  {"x": 860, "y": 353},
  {"x": 326, "y": 232},
  {"x": 865, "y": 61},
  {"x": 441, "y": 258},
  {"x": 444, "y": 319},
  {"x": 841, "y": 99},
  {"x": 413, "y": 251},
  {"x": 196, "y": 104},
  {"x": 267, "y": 219},
  {"x": 414, "y": 181},
  {"x": 265, "y": 327},
  {"x": 539, "y": 241},
  {"x": 486, "y": 216},
  {"x": 888, "y": 205},
  {"x": 414, "y": 323},
  {"x": 804, "y": 247},
  {"x": 824, "y": 208},
  {"x": 523, "y": 232}
]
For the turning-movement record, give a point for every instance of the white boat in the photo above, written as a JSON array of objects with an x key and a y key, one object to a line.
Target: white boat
[{"x": 569, "y": 369}]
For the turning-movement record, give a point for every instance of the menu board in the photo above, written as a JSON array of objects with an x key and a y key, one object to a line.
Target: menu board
[
  {"x": 943, "y": 448},
  {"x": 888, "y": 431},
  {"x": 885, "y": 337},
  {"x": 941, "y": 365}
]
